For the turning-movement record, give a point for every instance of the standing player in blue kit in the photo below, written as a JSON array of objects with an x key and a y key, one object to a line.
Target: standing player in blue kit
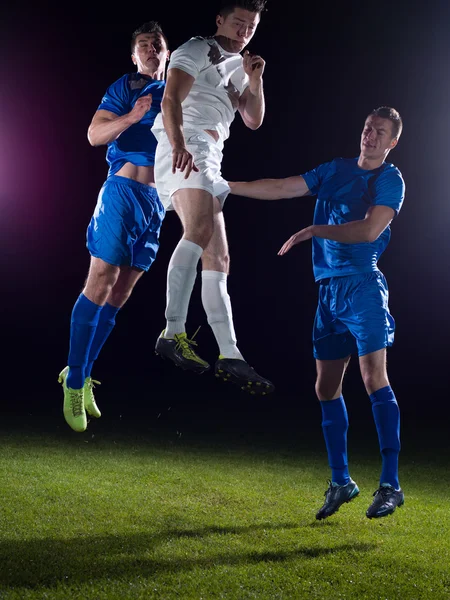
[
  {"x": 356, "y": 201},
  {"x": 123, "y": 235}
]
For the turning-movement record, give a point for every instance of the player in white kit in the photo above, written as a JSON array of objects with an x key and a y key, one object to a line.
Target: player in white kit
[{"x": 208, "y": 81}]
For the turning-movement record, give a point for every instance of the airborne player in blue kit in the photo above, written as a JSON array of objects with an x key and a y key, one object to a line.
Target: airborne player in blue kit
[
  {"x": 123, "y": 235},
  {"x": 356, "y": 201}
]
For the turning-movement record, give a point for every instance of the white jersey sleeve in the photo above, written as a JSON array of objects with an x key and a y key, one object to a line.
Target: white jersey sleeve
[{"x": 191, "y": 57}]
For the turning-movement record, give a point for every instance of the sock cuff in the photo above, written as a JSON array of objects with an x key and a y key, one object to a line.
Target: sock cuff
[
  {"x": 219, "y": 275},
  {"x": 334, "y": 409},
  {"x": 195, "y": 248},
  {"x": 110, "y": 311},
  {"x": 85, "y": 302},
  {"x": 385, "y": 394}
]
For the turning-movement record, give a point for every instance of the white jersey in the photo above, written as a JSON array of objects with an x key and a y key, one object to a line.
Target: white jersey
[{"x": 220, "y": 81}]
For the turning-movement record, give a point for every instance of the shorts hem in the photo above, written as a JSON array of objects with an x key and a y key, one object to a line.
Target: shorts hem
[
  {"x": 169, "y": 206},
  {"x": 108, "y": 261},
  {"x": 376, "y": 349}
]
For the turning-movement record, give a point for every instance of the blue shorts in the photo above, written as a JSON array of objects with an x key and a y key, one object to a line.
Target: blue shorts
[
  {"x": 352, "y": 315},
  {"x": 124, "y": 229}
]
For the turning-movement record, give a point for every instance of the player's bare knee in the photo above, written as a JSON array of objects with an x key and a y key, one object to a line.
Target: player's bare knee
[
  {"x": 201, "y": 234},
  {"x": 374, "y": 380},
  {"x": 215, "y": 262},
  {"x": 327, "y": 390}
]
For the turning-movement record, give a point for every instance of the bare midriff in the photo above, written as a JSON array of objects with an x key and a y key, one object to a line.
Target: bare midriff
[
  {"x": 143, "y": 175},
  {"x": 213, "y": 134}
]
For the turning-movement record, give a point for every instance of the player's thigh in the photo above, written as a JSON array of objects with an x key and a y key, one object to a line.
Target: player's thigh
[
  {"x": 101, "y": 278},
  {"x": 216, "y": 255},
  {"x": 330, "y": 374},
  {"x": 121, "y": 291},
  {"x": 374, "y": 370},
  {"x": 195, "y": 209}
]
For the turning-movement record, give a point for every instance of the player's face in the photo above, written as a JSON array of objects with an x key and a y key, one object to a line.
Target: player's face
[
  {"x": 377, "y": 137},
  {"x": 239, "y": 26},
  {"x": 150, "y": 53}
]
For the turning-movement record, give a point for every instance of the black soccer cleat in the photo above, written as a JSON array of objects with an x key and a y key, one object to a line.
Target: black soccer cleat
[
  {"x": 179, "y": 350},
  {"x": 242, "y": 374},
  {"x": 386, "y": 500},
  {"x": 335, "y": 497}
]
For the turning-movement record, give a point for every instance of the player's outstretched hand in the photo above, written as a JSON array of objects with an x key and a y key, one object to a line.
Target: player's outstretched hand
[
  {"x": 297, "y": 238},
  {"x": 141, "y": 107},
  {"x": 182, "y": 159}
]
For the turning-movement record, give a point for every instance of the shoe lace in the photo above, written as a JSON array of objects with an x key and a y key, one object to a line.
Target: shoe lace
[
  {"x": 93, "y": 382},
  {"x": 329, "y": 488},
  {"x": 185, "y": 345},
  {"x": 384, "y": 492},
  {"x": 76, "y": 402}
]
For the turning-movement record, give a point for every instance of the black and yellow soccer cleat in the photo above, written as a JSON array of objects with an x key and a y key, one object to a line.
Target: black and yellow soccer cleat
[
  {"x": 179, "y": 350},
  {"x": 385, "y": 502},
  {"x": 242, "y": 374}
]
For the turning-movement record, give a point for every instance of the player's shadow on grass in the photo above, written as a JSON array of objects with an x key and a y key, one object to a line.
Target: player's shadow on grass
[{"x": 47, "y": 562}]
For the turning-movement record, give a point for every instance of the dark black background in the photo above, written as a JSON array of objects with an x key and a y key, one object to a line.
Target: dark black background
[{"x": 327, "y": 67}]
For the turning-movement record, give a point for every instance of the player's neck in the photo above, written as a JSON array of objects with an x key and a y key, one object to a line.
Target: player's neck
[
  {"x": 228, "y": 44},
  {"x": 158, "y": 75},
  {"x": 369, "y": 164}
]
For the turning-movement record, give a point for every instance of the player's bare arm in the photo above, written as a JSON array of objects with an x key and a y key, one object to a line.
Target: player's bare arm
[
  {"x": 271, "y": 189},
  {"x": 106, "y": 126},
  {"x": 251, "y": 104},
  {"x": 366, "y": 230},
  {"x": 178, "y": 86}
]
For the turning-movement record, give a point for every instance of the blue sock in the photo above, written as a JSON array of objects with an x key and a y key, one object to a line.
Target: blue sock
[
  {"x": 82, "y": 329},
  {"x": 106, "y": 323},
  {"x": 335, "y": 426},
  {"x": 387, "y": 420}
]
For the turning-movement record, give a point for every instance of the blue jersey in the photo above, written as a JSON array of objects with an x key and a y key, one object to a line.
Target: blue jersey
[
  {"x": 137, "y": 144},
  {"x": 344, "y": 194}
]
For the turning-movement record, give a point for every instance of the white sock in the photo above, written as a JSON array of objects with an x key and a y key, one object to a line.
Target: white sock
[
  {"x": 181, "y": 276},
  {"x": 217, "y": 305}
]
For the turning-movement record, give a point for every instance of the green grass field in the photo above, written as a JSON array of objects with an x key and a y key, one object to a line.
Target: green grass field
[{"x": 130, "y": 516}]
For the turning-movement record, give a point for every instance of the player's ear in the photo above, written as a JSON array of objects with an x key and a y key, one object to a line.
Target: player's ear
[
  {"x": 133, "y": 60},
  {"x": 393, "y": 143},
  {"x": 219, "y": 20}
]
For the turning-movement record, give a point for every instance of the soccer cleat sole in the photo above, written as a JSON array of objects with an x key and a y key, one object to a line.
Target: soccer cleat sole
[
  {"x": 197, "y": 370},
  {"x": 387, "y": 513},
  {"x": 255, "y": 388}
]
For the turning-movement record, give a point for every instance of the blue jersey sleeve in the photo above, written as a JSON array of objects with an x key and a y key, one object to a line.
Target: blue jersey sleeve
[
  {"x": 390, "y": 190},
  {"x": 315, "y": 178},
  {"x": 117, "y": 98}
]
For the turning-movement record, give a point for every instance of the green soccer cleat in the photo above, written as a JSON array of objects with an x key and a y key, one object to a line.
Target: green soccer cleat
[
  {"x": 74, "y": 412},
  {"x": 242, "y": 374},
  {"x": 89, "y": 399},
  {"x": 179, "y": 350},
  {"x": 335, "y": 497}
]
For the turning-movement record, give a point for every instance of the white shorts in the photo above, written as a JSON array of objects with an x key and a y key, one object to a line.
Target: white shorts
[{"x": 207, "y": 155}]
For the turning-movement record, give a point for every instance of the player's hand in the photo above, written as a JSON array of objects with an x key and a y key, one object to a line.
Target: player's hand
[
  {"x": 182, "y": 159},
  {"x": 253, "y": 66},
  {"x": 297, "y": 238},
  {"x": 141, "y": 108}
]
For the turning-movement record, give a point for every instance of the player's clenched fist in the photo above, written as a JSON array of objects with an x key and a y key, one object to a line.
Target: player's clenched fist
[
  {"x": 253, "y": 65},
  {"x": 141, "y": 107}
]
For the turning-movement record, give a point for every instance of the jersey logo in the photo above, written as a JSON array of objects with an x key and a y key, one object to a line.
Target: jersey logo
[{"x": 216, "y": 58}]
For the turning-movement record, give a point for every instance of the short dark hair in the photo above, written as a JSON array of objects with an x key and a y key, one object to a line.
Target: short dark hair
[
  {"x": 255, "y": 6},
  {"x": 148, "y": 27},
  {"x": 386, "y": 112}
]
